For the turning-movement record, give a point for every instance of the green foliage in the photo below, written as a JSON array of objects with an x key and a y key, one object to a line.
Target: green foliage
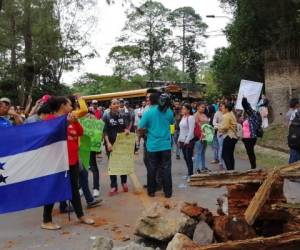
[
  {"x": 188, "y": 23},
  {"x": 92, "y": 84},
  {"x": 39, "y": 39},
  {"x": 212, "y": 91},
  {"x": 126, "y": 60},
  {"x": 148, "y": 25},
  {"x": 258, "y": 26}
]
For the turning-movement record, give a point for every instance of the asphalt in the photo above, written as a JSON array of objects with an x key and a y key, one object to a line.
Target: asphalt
[{"x": 115, "y": 218}]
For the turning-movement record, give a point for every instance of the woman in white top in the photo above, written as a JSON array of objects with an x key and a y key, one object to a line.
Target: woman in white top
[{"x": 186, "y": 135}]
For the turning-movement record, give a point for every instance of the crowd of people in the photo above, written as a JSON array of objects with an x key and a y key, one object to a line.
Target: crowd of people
[{"x": 196, "y": 125}]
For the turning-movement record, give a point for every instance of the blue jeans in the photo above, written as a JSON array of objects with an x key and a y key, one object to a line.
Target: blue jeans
[
  {"x": 215, "y": 147},
  {"x": 84, "y": 183},
  {"x": 294, "y": 156},
  {"x": 220, "y": 142},
  {"x": 175, "y": 137},
  {"x": 200, "y": 149}
]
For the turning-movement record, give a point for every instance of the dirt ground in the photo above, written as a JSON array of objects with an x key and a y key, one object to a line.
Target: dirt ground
[{"x": 115, "y": 218}]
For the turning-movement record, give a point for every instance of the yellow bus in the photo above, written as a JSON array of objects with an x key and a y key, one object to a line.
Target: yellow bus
[{"x": 133, "y": 96}]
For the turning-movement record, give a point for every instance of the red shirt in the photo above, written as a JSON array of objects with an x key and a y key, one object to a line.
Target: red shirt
[
  {"x": 75, "y": 130},
  {"x": 97, "y": 113}
]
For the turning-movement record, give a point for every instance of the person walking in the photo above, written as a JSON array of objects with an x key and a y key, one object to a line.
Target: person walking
[
  {"x": 200, "y": 144},
  {"x": 186, "y": 136},
  {"x": 228, "y": 128}
]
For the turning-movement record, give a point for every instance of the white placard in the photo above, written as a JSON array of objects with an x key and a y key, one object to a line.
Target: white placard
[{"x": 251, "y": 90}]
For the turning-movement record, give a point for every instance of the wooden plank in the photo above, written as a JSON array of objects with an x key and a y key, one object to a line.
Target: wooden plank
[
  {"x": 138, "y": 188},
  {"x": 287, "y": 241},
  {"x": 260, "y": 197},
  {"x": 217, "y": 179},
  {"x": 290, "y": 167}
]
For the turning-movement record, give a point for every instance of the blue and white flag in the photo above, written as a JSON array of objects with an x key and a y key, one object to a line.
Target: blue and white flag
[{"x": 34, "y": 165}]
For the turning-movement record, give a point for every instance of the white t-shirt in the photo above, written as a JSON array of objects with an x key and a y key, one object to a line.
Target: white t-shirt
[{"x": 187, "y": 126}]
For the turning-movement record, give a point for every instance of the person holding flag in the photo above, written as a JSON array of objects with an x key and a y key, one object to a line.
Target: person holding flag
[{"x": 63, "y": 106}]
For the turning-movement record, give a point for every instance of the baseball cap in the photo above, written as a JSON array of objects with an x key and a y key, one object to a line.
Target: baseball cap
[
  {"x": 95, "y": 102},
  {"x": 5, "y": 99},
  {"x": 46, "y": 98}
]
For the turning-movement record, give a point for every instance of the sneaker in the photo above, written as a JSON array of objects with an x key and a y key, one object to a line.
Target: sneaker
[
  {"x": 198, "y": 171},
  {"x": 96, "y": 193},
  {"x": 113, "y": 191},
  {"x": 125, "y": 187},
  {"x": 50, "y": 226},
  {"x": 94, "y": 203},
  {"x": 80, "y": 192},
  {"x": 214, "y": 162},
  {"x": 177, "y": 157},
  {"x": 205, "y": 170},
  {"x": 151, "y": 194},
  {"x": 86, "y": 220},
  {"x": 188, "y": 179}
]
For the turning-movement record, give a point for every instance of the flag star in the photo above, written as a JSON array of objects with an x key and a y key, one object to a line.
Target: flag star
[
  {"x": 1, "y": 166},
  {"x": 3, "y": 178}
]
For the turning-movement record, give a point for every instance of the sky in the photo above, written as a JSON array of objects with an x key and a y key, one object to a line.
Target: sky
[{"x": 111, "y": 20}]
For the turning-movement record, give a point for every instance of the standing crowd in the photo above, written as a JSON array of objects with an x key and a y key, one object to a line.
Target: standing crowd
[{"x": 160, "y": 123}]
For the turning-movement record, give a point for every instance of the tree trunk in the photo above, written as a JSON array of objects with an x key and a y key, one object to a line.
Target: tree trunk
[{"x": 28, "y": 66}]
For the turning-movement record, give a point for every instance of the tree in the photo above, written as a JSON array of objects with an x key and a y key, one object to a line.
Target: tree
[
  {"x": 39, "y": 40},
  {"x": 91, "y": 84},
  {"x": 258, "y": 28},
  {"x": 149, "y": 25},
  {"x": 126, "y": 60},
  {"x": 187, "y": 22}
]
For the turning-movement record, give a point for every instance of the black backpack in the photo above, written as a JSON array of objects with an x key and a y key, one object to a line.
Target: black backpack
[
  {"x": 259, "y": 130},
  {"x": 294, "y": 133}
]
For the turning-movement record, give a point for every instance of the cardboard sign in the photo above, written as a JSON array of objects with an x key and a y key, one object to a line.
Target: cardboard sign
[
  {"x": 121, "y": 161},
  {"x": 91, "y": 139},
  {"x": 251, "y": 90}
]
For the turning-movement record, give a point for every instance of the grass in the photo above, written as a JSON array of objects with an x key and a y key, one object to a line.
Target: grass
[
  {"x": 275, "y": 137},
  {"x": 266, "y": 158}
]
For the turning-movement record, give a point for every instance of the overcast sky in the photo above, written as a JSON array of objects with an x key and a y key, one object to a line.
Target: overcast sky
[{"x": 111, "y": 20}]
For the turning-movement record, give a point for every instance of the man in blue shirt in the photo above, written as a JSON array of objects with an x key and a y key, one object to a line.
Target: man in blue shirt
[
  {"x": 157, "y": 120},
  {"x": 6, "y": 113}
]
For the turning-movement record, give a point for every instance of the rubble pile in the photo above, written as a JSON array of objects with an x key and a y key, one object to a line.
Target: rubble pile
[{"x": 257, "y": 216}]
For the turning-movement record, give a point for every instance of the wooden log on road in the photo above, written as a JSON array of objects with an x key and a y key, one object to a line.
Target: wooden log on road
[
  {"x": 287, "y": 241},
  {"x": 240, "y": 196},
  {"x": 260, "y": 197},
  {"x": 217, "y": 179}
]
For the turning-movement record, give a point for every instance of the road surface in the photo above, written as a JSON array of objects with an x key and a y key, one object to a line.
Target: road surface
[{"x": 115, "y": 218}]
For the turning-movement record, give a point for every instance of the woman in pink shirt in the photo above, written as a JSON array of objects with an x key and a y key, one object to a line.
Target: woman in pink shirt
[{"x": 251, "y": 126}]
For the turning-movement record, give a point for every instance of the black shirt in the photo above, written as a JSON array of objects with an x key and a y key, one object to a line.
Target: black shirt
[{"x": 114, "y": 123}]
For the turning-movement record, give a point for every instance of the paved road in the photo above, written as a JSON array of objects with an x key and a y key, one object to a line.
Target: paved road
[{"x": 115, "y": 218}]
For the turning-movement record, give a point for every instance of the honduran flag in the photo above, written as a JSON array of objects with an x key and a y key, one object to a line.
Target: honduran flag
[{"x": 34, "y": 165}]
